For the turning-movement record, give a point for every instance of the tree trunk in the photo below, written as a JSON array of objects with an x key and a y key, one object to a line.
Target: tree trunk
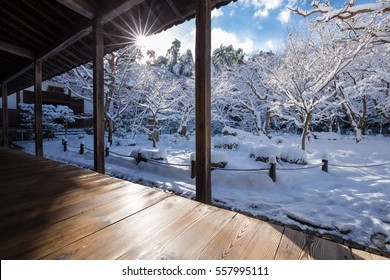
[
  {"x": 110, "y": 130},
  {"x": 267, "y": 122},
  {"x": 183, "y": 131},
  {"x": 351, "y": 118},
  {"x": 362, "y": 119},
  {"x": 305, "y": 131}
]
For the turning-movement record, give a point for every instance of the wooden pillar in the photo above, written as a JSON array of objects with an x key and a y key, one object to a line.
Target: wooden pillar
[
  {"x": 38, "y": 109},
  {"x": 5, "y": 115},
  {"x": 98, "y": 97},
  {"x": 203, "y": 100}
]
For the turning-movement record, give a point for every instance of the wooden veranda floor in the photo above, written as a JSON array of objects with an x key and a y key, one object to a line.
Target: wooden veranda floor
[{"x": 50, "y": 210}]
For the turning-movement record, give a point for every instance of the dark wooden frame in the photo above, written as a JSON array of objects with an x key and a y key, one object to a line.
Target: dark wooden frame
[
  {"x": 203, "y": 101},
  {"x": 5, "y": 114},
  {"x": 38, "y": 108}
]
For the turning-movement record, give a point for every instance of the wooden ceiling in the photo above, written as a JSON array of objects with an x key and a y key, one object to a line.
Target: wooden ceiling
[{"x": 59, "y": 32}]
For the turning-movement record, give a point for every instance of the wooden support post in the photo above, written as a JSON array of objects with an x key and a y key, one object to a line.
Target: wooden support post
[
  {"x": 193, "y": 170},
  {"x": 81, "y": 148},
  {"x": 65, "y": 144},
  {"x": 272, "y": 168},
  {"x": 98, "y": 97},
  {"x": 203, "y": 101},
  {"x": 38, "y": 109},
  {"x": 5, "y": 115},
  {"x": 325, "y": 163}
]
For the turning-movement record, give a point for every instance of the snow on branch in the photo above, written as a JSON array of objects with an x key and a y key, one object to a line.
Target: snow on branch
[{"x": 349, "y": 10}]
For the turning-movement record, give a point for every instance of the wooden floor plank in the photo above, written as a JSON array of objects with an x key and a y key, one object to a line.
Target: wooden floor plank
[
  {"x": 193, "y": 240},
  {"x": 363, "y": 255},
  {"x": 43, "y": 240},
  {"x": 158, "y": 246},
  {"x": 244, "y": 238},
  {"x": 321, "y": 249},
  {"x": 126, "y": 233},
  {"x": 291, "y": 246}
]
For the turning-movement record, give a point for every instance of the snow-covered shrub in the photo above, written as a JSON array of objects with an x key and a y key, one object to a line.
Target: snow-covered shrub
[
  {"x": 218, "y": 158},
  {"x": 155, "y": 154},
  {"x": 225, "y": 142},
  {"x": 124, "y": 142},
  {"x": 54, "y": 118},
  {"x": 263, "y": 152},
  {"x": 293, "y": 155}
]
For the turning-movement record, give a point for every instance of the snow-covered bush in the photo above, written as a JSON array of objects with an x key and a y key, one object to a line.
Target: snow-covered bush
[
  {"x": 225, "y": 142},
  {"x": 263, "y": 152},
  {"x": 293, "y": 155},
  {"x": 218, "y": 158},
  {"x": 154, "y": 154},
  {"x": 242, "y": 135},
  {"x": 54, "y": 118}
]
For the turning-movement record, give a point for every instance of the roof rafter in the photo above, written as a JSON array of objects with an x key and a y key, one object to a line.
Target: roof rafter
[
  {"x": 175, "y": 9},
  {"x": 16, "y": 50},
  {"x": 81, "y": 7}
]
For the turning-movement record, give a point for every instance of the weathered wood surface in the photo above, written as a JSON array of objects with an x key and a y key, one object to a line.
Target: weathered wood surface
[{"x": 50, "y": 210}]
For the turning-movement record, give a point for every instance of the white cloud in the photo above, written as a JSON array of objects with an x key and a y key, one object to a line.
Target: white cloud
[
  {"x": 270, "y": 45},
  {"x": 284, "y": 16},
  {"x": 221, "y": 37},
  {"x": 216, "y": 13},
  {"x": 263, "y": 6},
  {"x": 261, "y": 13}
]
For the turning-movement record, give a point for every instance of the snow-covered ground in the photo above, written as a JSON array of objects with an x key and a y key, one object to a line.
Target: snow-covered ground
[{"x": 349, "y": 202}]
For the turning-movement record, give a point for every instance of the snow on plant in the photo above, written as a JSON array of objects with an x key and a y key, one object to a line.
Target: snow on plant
[
  {"x": 218, "y": 158},
  {"x": 154, "y": 154},
  {"x": 225, "y": 142},
  {"x": 293, "y": 155},
  {"x": 53, "y": 118},
  {"x": 264, "y": 152}
]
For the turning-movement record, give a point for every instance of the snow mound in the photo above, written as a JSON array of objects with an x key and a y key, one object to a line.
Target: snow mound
[
  {"x": 225, "y": 142},
  {"x": 326, "y": 135},
  {"x": 242, "y": 135},
  {"x": 155, "y": 154},
  {"x": 263, "y": 152},
  {"x": 218, "y": 158},
  {"x": 293, "y": 155}
]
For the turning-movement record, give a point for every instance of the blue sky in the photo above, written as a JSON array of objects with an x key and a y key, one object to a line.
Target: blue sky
[{"x": 248, "y": 24}]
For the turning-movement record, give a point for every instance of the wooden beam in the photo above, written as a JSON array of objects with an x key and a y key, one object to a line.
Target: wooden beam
[
  {"x": 203, "y": 100},
  {"x": 123, "y": 7},
  {"x": 38, "y": 108},
  {"x": 175, "y": 9},
  {"x": 98, "y": 97},
  {"x": 5, "y": 115},
  {"x": 16, "y": 50},
  {"x": 79, "y": 6}
]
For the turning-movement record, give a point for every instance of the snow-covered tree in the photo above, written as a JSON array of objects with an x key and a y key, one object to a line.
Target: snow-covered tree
[
  {"x": 227, "y": 56},
  {"x": 54, "y": 118},
  {"x": 301, "y": 80},
  {"x": 120, "y": 67},
  {"x": 157, "y": 90}
]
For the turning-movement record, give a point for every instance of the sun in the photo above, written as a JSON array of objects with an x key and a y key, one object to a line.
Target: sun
[{"x": 142, "y": 41}]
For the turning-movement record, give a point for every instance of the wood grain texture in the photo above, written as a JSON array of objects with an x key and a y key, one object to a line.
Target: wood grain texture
[
  {"x": 244, "y": 238},
  {"x": 50, "y": 210}
]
